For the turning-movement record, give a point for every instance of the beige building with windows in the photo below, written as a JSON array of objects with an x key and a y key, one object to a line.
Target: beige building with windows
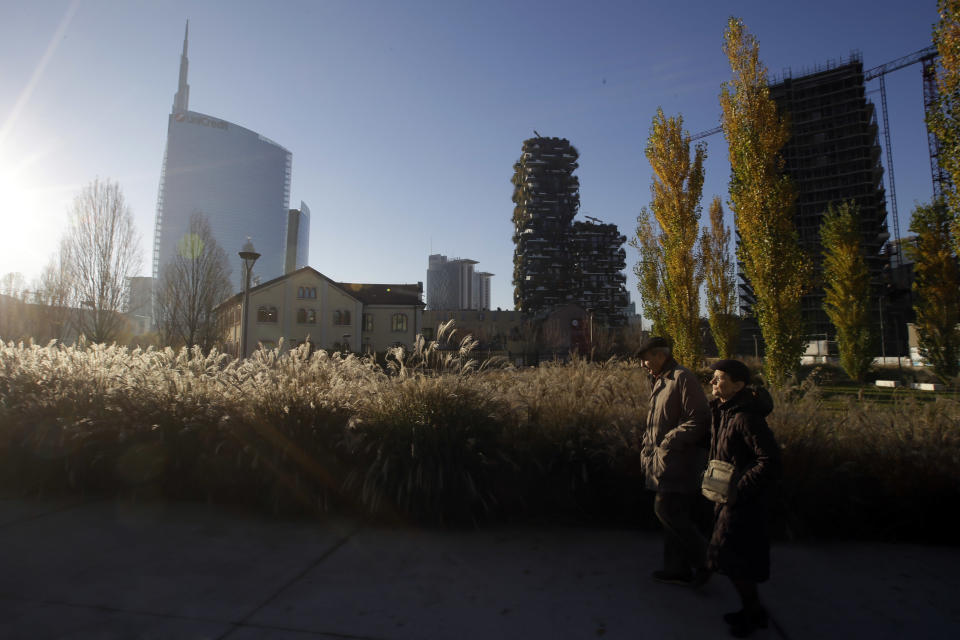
[{"x": 334, "y": 316}]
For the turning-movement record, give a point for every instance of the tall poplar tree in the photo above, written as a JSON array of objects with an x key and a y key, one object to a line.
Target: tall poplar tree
[
  {"x": 720, "y": 278},
  {"x": 936, "y": 288},
  {"x": 847, "y": 286},
  {"x": 649, "y": 272},
  {"x": 762, "y": 200},
  {"x": 944, "y": 119},
  {"x": 676, "y": 190}
]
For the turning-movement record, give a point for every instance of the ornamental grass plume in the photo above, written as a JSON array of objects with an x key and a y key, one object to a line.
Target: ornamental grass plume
[
  {"x": 867, "y": 470},
  {"x": 301, "y": 432}
]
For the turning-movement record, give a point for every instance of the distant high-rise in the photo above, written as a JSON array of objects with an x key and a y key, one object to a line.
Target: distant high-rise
[
  {"x": 296, "y": 246},
  {"x": 546, "y": 195},
  {"x": 454, "y": 284},
  {"x": 832, "y": 156},
  {"x": 481, "y": 290},
  {"x": 237, "y": 178}
]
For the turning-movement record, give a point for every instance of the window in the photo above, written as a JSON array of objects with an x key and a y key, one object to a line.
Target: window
[
  {"x": 301, "y": 316},
  {"x": 266, "y": 314},
  {"x": 306, "y": 292},
  {"x": 346, "y": 317},
  {"x": 398, "y": 322},
  {"x": 312, "y": 317},
  {"x": 368, "y": 322},
  {"x": 300, "y": 292},
  {"x": 341, "y": 317}
]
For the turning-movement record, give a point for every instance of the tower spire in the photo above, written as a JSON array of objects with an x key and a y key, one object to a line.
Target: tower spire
[{"x": 181, "y": 101}]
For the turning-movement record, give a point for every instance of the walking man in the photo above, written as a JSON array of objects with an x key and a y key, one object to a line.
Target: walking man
[{"x": 674, "y": 454}]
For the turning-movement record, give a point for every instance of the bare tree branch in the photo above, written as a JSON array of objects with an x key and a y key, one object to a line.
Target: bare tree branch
[
  {"x": 192, "y": 285},
  {"x": 100, "y": 250}
]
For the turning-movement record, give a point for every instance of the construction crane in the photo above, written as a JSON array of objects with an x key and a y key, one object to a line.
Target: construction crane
[
  {"x": 705, "y": 134},
  {"x": 927, "y": 57}
]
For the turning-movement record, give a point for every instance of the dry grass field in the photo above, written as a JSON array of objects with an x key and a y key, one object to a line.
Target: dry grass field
[{"x": 437, "y": 437}]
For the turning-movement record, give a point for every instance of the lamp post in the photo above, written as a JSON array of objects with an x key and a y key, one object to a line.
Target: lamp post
[{"x": 249, "y": 255}]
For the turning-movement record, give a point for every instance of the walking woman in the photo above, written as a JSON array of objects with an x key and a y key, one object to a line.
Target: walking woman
[{"x": 740, "y": 545}]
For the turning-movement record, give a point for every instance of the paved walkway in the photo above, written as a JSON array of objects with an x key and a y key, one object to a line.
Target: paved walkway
[{"x": 109, "y": 570}]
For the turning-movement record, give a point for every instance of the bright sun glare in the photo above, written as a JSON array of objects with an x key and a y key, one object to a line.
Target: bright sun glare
[{"x": 28, "y": 228}]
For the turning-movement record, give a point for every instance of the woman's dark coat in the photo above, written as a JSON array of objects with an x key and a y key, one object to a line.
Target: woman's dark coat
[{"x": 740, "y": 545}]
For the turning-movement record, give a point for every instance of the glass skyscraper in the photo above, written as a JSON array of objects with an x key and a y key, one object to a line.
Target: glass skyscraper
[{"x": 237, "y": 178}]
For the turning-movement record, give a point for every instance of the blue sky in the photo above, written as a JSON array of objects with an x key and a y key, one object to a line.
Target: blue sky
[{"x": 405, "y": 118}]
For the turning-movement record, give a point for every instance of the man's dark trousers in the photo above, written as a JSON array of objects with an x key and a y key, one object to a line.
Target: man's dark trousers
[{"x": 684, "y": 547}]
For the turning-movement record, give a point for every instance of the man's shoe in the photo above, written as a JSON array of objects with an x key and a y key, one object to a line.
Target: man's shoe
[
  {"x": 700, "y": 578},
  {"x": 673, "y": 577}
]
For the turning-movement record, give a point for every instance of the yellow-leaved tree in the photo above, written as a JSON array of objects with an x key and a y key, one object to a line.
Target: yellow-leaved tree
[
  {"x": 649, "y": 272},
  {"x": 846, "y": 283},
  {"x": 676, "y": 190},
  {"x": 936, "y": 289},
  {"x": 720, "y": 279},
  {"x": 944, "y": 119},
  {"x": 762, "y": 199}
]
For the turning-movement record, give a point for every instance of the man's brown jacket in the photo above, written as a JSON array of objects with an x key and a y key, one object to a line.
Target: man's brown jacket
[{"x": 677, "y": 436}]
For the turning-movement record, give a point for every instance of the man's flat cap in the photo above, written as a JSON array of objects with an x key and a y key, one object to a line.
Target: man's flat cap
[{"x": 653, "y": 342}]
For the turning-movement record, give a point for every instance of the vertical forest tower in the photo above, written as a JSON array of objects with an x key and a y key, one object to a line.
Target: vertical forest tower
[{"x": 546, "y": 196}]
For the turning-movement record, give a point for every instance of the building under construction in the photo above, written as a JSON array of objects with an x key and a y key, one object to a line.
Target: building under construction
[{"x": 832, "y": 156}]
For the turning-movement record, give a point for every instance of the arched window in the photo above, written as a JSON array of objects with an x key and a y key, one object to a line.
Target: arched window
[
  {"x": 301, "y": 316},
  {"x": 312, "y": 292},
  {"x": 300, "y": 292},
  {"x": 398, "y": 322}
]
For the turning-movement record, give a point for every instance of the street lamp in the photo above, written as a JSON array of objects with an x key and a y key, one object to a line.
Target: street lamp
[{"x": 249, "y": 255}]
